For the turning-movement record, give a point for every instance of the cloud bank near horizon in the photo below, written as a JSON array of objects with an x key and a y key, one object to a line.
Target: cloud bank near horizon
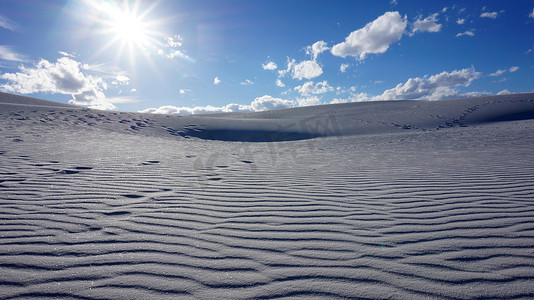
[{"x": 434, "y": 87}]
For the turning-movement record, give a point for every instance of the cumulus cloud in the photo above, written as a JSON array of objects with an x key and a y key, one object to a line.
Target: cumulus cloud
[
  {"x": 502, "y": 71},
  {"x": 374, "y": 38},
  {"x": 9, "y": 24},
  {"x": 121, "y": 80},
  {"x": 498, "y": 73},
  {"x": 174, "y": 41},
  {"x": 531, "y": 15},
  {"x": 247, "y": 82},
  {"x": 343, "y": 68},
  {"x": 169, "y": 109},
  {"x": 307, "y": 69},
  {"x": 428, "y": 24},
  {"x": 435, "y": 87},
  {"x": 63, "y": 77},
  {"x": 216, "y": 81},
  {"x": 468, "y": 33},
  {"x": 279, "y": 83},
  {"x": 309, "y": 101},
  {"x": 271, "y": 65},
  {"x": 309, "y": 88},
  {"x": 504, "y": 92},
  {"x": 7, "y": 53},
  {"x": 339, "y": 100},
  {"x": 491, "y": 15},
  {"x": 170, "y": 51},
  {"x": 177, "y": 53},
  {"x": 268, "y": 102},
  {"x": 316, "y": 49},
  {"x": 290, "y": 64},
  {"x": 460, "y": 21},
  {"x": 262, "y": 103}
]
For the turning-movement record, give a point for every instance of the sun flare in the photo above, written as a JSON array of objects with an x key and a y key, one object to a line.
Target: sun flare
[
  {"x": 129, "y": 29},
  {"x": 126, "y": 27}
]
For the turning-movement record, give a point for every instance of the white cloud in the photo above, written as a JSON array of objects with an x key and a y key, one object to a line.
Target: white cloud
[
  {"x": 504, "y": 92},
  {"x": 460, "y": 21},
  {"x": 339, "y": 100},
  {"x": 279, "y": 83},
  {"x": 531, "y": 15},
  {"x": 174, "y": 42},
  {"x": 92, "y": 97},
  {"x": 170, "y": 51},
  {"x": 316, "y": 49},
  {"x": 428, "y": 24},
  {"x": 183, "y": 91},
  {"x": 63, "y": 77},
  {"x": 262, "y": 103},
  {"x": 267, "y": 102},
  {"x": 133, "y": 91},
  {"x": 374, "y": 38},
  {"x": 121, "y": 80},
  {"x": 435, "y": 87},
  {"x": 498, "y": 73},
  {"x": 9, "y": 24},
  {"x": 66, "y": 54},
  {"x": 427, "y": 87},
  {"x": 306, "y": 69},
  {"x": 216, "y": 81},
  {"x": 176, "y": 53},
  {"x": 360, "y": 97},
  {"x": 169, "y": 109},
  {"x": 309, "y": 88},
  {"x": 468, "y": 33},
  {"x": 474, "y": 94},
  {"x": 309, "y": 101},
  {"x": 290, "y": 64},
  {"x": 270, "y": 66},
  {"x": 6, "y": 53},
  {"x": 343, "y": 68},
  {"x": 491, "y": 15},
  {"x": 247, "y": 82},
  {"x": 502, "y": 71}
]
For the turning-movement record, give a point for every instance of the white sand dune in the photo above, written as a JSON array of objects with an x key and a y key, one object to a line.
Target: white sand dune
[{"x": 396, "y": 200}]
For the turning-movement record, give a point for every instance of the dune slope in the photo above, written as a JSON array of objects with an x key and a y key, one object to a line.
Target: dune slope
[{"x": 397, "y": 200}]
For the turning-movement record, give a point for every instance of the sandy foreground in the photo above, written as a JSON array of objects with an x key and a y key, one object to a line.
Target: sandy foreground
[{"x": 396, "y": 200}]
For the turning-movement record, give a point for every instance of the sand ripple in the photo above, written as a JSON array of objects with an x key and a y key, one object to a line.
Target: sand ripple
[{"x": 98, "y": 214}]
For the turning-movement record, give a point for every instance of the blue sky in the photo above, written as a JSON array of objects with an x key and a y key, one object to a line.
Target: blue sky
[{"x": 212, "y": 56}]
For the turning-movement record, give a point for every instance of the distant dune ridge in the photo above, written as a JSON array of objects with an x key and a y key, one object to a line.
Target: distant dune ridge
[{"x": 375, "y": 200}]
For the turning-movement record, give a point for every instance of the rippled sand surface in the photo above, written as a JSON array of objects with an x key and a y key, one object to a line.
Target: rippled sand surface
[{"x": 397, "y": 200}]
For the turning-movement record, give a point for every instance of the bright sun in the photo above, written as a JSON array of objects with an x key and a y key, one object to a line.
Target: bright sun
[
  {"x": 125, "y": 26},
  {"x": 129, "y": 28}
]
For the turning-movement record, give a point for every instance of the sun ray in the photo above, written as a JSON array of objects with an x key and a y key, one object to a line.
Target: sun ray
[{"x": 127, "y": 27}]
